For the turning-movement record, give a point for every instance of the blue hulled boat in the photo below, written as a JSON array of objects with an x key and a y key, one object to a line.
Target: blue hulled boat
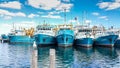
[
  {"x": 105, "y": 38},
  {"x": 20, "y": 39},
  {"x": 84, "y": 42},
  {"x": 45, "y": 35},
  {"x": 65, "y": 36},
  {"x": 3, "y": 36},
  {"x": 84, "y": 37},
  {"x": 117, "y": 43},
  {"x": 20, "y": 36}
]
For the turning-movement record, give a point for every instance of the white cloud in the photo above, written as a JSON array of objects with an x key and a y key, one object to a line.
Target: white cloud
[
  {"x": 117, "y": 0},
  {"x": 109, "y": 5},
  {"x": 7, "y": 17},
  {"x": 52, "y": 16},
  {"x": 88, "y": 21},
  {"x": 103, "y": 17},
  {"x": 20, "y": 14},
  {"x": 73, "y": 21},
  {"x": 113, "y": 6},
  {"x": 25, "y": 24},
  {"x": 44, "y": 4},
  {"x": 7, "y": 13},
  {"x": 13, "y": 5},
  {"x": 63, "y": 6},
  {"x": 51, "y": 4},
  {"x": 54, "y": 12},
  {"x": 5, "y": 28},
  {"x": 95, "y": 14},
  {"x": 103, "y": 5},
  {"x": 32, "y": 15}
]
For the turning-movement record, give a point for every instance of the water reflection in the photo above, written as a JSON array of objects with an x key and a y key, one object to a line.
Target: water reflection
[
  {"x": 83, "y": 57},
  {"x": 15, "y": 56},
  {"x": 64, "y": 57},
  {"x": 19, "y": 56},
  {"x": 106, "y": 56},
  {"x": 43, "y": 57},
  {"x": 86, "y": 51},
  {"x": 107, "y": 52}
]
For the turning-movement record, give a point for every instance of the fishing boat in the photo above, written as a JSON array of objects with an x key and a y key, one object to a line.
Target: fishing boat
[
  {"x": 22, "y": 35},
  {"x": 5, "y": 38},
  {"x": 105, "y": 38},
  {"x": 84, "y": 36},
  {"x": 45, "y": 35},
  {"x": 65, "y": 36},
  {"x": 117, "y": 43}
]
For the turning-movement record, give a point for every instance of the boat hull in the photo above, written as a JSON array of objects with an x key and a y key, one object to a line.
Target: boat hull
[
  {"x": 5, "y": 38},
  {"x": 84, "y": 42},
  {"x": 65, "y": 40},
  {"x": 106, "y": 41},
  {"x": 117, "y": 43},
  {"x": 42, "y": 39},
  {"x": 20, "y": 39}
]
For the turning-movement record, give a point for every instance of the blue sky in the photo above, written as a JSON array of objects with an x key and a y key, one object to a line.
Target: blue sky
[{"x": 96, "y": 12}]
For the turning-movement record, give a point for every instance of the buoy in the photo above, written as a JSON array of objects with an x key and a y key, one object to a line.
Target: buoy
[{"x": 34, "y": 45}]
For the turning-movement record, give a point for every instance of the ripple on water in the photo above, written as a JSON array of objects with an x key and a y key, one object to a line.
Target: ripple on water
[{"x": 19, "y": 56}]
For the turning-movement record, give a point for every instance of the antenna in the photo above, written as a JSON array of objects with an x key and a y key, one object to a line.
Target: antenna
[
  {"x": 44, "y": 22},
  {"x": 84, "y": 17},
  {"x": 65, "y": 15},
  {"x": 13, "y": 26}
]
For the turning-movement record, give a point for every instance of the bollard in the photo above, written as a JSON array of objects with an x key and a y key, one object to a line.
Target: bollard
[
  {"x": 34, "y": 62},
  {"x": 2, "y": 41},
  {"x": 52, "y": 58},
  {"x": 34, "y": 45}
]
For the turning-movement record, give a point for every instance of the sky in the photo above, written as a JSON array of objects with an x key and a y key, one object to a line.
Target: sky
[{"x": 95, "y": 12}]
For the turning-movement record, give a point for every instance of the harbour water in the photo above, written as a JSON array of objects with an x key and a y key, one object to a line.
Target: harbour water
[{"x": 19, "y": 56}]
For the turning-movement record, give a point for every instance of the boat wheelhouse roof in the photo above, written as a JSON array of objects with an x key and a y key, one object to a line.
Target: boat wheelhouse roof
[
  {"x": 44, "y": 27},
  {"x": 85, "y": 30}
]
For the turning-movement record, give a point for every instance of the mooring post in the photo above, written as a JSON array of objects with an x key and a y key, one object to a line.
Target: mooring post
[
  {"x": 2, "y": 40},
  {"x": 34, "y": 63},
  {"x": 52, "y": 58}
]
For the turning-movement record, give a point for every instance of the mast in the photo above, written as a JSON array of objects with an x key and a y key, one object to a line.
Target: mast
[
  {"x": 14, "y": 26},
  {"x": 84, "y": 17},
  {"x": 65, "y": 15},
  {"x": 76, "y": 19}
]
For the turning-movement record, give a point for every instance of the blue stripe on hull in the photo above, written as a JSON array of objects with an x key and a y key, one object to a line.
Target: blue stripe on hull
[
  {"x": 65, "y": 40},
  {"x": 42, "y": 39},
  {"x": 107, "y": 41},
  {"x": 20, "y": 39},
  {"x": 84, "y": 42}
]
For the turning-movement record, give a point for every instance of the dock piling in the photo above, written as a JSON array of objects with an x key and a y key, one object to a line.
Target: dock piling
[
  {"x": 2, "y": 40},
  {"x": 52, "y": 58},
  {"x": 34, "y": 63}
]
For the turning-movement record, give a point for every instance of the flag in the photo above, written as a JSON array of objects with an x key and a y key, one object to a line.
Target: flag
[{"x": 75, "y": 18}]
